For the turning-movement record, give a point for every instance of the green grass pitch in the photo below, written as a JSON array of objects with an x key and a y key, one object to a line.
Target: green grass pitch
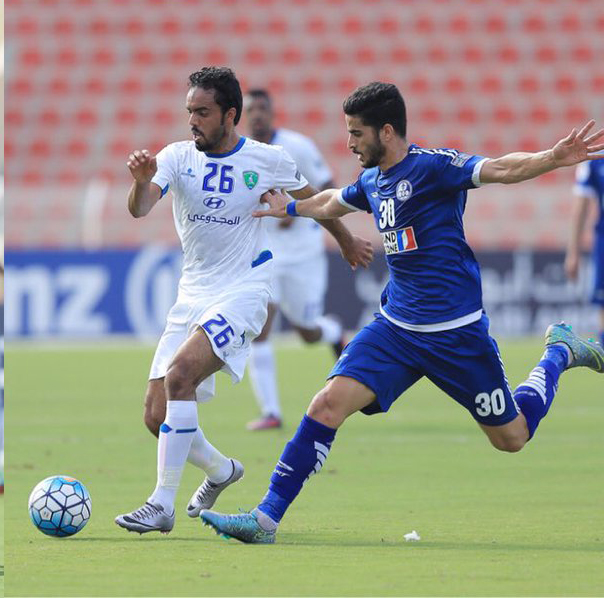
[{"x": 491, "y": 524}]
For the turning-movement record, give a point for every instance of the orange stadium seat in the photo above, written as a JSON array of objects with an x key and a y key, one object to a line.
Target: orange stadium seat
[
  {"x": 389, "y": 26},
  {"x": 316, "y": 25},
  {"x": 63, "y": 26},
  {"x": 401, "y": 53}
]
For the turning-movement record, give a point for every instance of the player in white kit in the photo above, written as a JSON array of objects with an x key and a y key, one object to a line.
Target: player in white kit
[
  {"x": 216, "y": 180},
  {"x": 300, "y": 263}
]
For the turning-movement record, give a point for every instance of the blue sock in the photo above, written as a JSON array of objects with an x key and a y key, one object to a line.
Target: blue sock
[
  {"x": 602, "y": 338},
  {"x": 304, "y": 455},
  {"x": 535, "y": 395}
]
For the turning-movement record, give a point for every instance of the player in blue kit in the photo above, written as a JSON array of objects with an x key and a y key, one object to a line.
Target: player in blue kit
[
  {"x": 589, "y": 187},
  {"x": 431, "y": 321}
]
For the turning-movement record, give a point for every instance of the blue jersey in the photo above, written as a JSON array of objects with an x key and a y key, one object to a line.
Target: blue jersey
[
  {"x": 590, "y": 182},
  {"x": 418, "y": 206}
]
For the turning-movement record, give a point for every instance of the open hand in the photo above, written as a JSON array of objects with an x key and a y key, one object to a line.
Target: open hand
[{"x": 578, "y": 147}]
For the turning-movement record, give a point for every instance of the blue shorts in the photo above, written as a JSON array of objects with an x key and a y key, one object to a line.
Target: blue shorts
[
  {"x": 463, "y": 362},
  {"x": 598, "y": 296}
]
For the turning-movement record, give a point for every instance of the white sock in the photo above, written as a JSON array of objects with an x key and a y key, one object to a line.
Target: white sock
[
  {"x": 263, "y": 377},
  {"x": 175, "y": 437},
  {"x": 331, "y": 330},
  {"x": 205, "y": 456}
]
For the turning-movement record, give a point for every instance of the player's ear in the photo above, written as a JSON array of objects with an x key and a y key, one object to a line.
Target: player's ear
[
  {"x": 387, "y": 132},
  {"x": 230, "y": 114}
]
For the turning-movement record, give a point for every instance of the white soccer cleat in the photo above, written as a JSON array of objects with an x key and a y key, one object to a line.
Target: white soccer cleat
[
  {"x": 205, "y": 496},
  {"x": 148, "y": 518}
]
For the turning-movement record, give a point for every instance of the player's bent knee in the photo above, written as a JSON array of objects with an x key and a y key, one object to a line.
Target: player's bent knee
[
  {"x": 508, "y": 444},
  {"x": 326, "y": 408},
  {"x": 178, "y": 383}
]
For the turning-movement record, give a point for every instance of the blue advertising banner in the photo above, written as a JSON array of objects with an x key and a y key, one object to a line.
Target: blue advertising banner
[{"x": 88, "y": 295}]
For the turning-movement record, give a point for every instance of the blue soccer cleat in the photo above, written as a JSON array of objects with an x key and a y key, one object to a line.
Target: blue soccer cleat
[
  {"x": 586, "y": 353},
  {"x": 243, "y": 527}
]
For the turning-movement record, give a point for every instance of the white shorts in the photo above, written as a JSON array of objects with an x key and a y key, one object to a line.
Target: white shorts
[
  {"x": 231, "y": 321},
  {"x": 299, "y": 290}
]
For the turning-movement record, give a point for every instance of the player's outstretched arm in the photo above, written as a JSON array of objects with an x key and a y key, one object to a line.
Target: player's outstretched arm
[
  {"x": 143, "y": 193},
  {"x": 325, "y": 208},
  {"x": 577, "y": 147}
]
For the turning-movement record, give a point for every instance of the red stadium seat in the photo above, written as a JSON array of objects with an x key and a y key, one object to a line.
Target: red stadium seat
[
  {"x": 21, "y": 86},
  {"x": 40, "y": 148},
  {"x": 59, "y": 85},
  {"x": 491, "y": 84},
  {"x": 570, "y": 23},
  {"x": 316, "y": 25},
  {"x": 31, "y": 57},
  {"x": 13, "y": 116},
  {"x": 134, "y": 27},
  {"x": 547, "y": 53},
  {"x": 508, "y": 53},
  {"x": 95, "y": 86},
  {"x": 241, "y": 25},
  {"x": 430, "y": 114},
  {"x": 528, "y": 84},
  {"x": 291, "y": 55},
  {"x": 467, "y": 114},
  {"x": 473, "y": 53},
  {"x": 68, "y": 177},
  {"x": 205, "y": 25},
  {"x": 103, "y": 57},
  {"x": 388, "y": 26},
  {"x": 492, "y": 147},
  {"x": 329, "y": 55},
  {"x": 86, "y": 117},
  {"x": 495, "y": 24},
  {"x": 99, "y": 26},
  {"x": 63, "y": 26},
  {"x": 365, "y": 55},
  {"x": 143, "y": 56},
  {"x": 49, "y": 117},
  {"x": 215, "y": 56},
  {"x": 170, "y": 26},
  {"x": 424, "y": 24},
  {"x": 597, "y": 83},
  {"x": 130, "y": 86},
  {"x": 255, "y": 56},
  {"x": 534, "y": 24},
  {"x": 163, "y": 117},
  {"x": 582, "y": 53},
  {"x": 401, "y": 54},
  {"x": 277, "y": 26},
  {"x": 540, "y": 114},
  {"x": 352, "y": 25},
  {"x": 126, "y": 116},
  {"x": 276, "y": 85},
  {"x": 27, "y": 26},
  {"x": 311, "y": 85},
  {"x": 437, "y": 53},
  {"x": 346, "y": 84},
  {"x": 565, "y": 84},
  {"x": 576, "y": 114},
  {"x": 460, "y": 24},
  {"x": 454, "y": 84},
  {"x": 419, "y": 84},
  {"x": 314, "y": 116},
  {"x": 67, "y": 56},
  {"x": 503, "y": 114}
]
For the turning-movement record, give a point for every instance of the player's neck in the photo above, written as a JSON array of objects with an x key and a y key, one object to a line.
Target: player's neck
[
  {"x": 227, "y": 144},
  {"x": 395, "y": 153}
]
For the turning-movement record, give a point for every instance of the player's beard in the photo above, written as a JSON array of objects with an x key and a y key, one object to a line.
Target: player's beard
[
  {"x": 210, "y": 144},
  {"x": 374, "y": 154}
]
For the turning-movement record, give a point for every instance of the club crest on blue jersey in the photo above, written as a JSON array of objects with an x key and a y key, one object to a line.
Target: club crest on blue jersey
[
  {"x": 250, "y": 178},
  {"x": 399, "y": 241},
  {"x": 404, "y": 190}
]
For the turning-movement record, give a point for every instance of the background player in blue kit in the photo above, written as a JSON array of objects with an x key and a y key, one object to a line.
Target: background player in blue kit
[
  {"x": 589, "y": 187},
  {"x": 431, "y": 321}
]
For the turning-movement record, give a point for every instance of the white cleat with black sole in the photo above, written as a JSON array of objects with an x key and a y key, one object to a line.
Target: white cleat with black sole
[
  {"x": 206, "y": 495},
  {"x": 148, "y": 518}
]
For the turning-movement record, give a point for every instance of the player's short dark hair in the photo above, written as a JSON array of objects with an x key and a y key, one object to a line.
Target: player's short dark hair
[
  {"x": 227, "y": 91},
  {"x": 258, "y": 93},
  {"x": 378, "y": 104}
]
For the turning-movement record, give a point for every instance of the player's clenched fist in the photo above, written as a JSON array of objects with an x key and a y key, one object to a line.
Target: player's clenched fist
[{"x": 142, "y": 165}]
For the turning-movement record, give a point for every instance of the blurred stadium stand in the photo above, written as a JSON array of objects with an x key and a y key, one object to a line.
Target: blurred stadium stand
[{"x": 88, "y": 80}]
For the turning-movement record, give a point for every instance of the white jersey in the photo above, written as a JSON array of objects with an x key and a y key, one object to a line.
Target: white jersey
[
  {"x": 214, "y": 197},
  {"x": 304, "y": 238}
]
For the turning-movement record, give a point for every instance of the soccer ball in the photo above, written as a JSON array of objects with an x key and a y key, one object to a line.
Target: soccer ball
[{"x": 59, "y": 506}]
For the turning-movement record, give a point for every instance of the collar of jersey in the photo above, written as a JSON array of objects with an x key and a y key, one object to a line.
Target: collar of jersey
[
  {"x": 234, "y": 150},
  {"x": 383, "y": 175}
]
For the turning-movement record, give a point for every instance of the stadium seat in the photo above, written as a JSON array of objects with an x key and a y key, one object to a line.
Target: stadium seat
[
  {"x": 401, "y": 54},
  {"x": 388, "y": 26},
  {"x": 352, "y": 25},
  {"x": 170, "y": 26},
  {"x": 98, "y": 26},
  {"x": 63, "y": 26},
  {"x": 277, "y": 26}
]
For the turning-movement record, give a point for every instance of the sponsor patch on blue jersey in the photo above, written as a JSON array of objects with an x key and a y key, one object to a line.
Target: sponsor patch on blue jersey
[{"x": 399, "y": 241}]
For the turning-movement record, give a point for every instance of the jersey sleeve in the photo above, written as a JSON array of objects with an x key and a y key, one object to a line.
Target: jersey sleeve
[
  {"x": 353, "y": 197},
  {"x": 167, "y": 169},
  {"x": 287, "y": 176},
  {"x": 457, "y": 171},
  {"x": 584, "y": 180}
]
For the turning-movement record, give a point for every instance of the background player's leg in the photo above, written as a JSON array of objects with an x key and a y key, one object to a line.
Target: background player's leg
[
  {"x": 602, "y": 326},
  {"x": 263, "y": 377}
]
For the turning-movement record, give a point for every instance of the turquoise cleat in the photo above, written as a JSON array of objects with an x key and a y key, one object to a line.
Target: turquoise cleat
[
  {"x": 244, "y": 527},
  {"x": 586, "y": 353}
]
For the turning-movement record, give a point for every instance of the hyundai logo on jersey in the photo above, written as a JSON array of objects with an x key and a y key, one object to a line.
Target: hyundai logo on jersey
[{"x": 214, "y": 202}]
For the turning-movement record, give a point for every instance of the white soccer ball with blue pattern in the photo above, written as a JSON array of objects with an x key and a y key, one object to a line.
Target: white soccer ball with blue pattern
[{"x": 59, "y": 506}]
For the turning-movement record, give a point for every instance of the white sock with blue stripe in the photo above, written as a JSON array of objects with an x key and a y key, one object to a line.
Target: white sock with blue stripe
[{"x": 175, "y": 437}]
